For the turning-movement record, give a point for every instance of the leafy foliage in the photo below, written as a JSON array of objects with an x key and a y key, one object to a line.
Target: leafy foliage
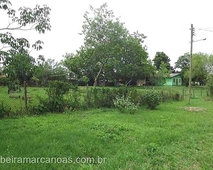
[
  {"x": 103, "y": 97},
  {"x": 55, "y": 92},
  {"x": 183, "y": 63},
  {"x": 151, "y": 98},
  {"x": 162, "y": 74},
  {"x": 125, "y": 105},
  {"x": 159, "y": 58},
  {"x": 19, "y": 66},
  {"x": 210, "y": 84},
  {"x": 110, "y": 52},
  {"x": 48, "y": 70},
  {"x": 4, "y": 110},
  {"x": 200, "y": 67},
  {"x": 26, "y": 19},
  {"x": 4, "y": 81}
]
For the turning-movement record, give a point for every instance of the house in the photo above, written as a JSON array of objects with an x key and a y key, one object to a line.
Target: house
[{"x": 174, "y": 79}]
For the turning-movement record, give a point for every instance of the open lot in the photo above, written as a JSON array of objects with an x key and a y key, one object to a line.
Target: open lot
[{"x": 171, "y": 137}]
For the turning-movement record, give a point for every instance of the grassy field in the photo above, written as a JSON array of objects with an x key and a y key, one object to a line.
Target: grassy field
[
  {"x": 18, "y": 103},
  {"x": 167, "y": 138}
]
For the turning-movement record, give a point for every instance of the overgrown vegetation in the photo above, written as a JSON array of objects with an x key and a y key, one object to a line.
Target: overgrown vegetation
[
  {"x": 62, "y": 97},
  {"x": 151, "y": 98},
  {"x": 125, "y": 105}
]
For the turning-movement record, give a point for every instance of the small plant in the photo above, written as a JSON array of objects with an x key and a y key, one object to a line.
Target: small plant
[
  {"x": 124, "y": 104},
  {"x": 4, "y": 110},
  {"x": 176, "y": 96},
  {"x": 151, "y": 98}
]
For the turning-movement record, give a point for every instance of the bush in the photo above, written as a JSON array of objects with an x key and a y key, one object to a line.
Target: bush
[
  {"x": 151, "y": 98},
  {"x": 176, "y": 96},
  {"x": 135, "y": 96},
  {"x": 124, "y": 104},
  {"x": 103, "y": 97},
  {"x": 74, "y": 101},
  {"x": 4, "y": 110},
  {"x": 4, "y": 81},
  {"x": 55, "y": 101}
]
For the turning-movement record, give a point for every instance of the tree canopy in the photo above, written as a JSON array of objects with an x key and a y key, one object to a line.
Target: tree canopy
[
  {"x": 159, "y": 58},
  {"x": 199, "y": 69},
  {"x": 110, "y": 51},
  {"x": 183, "y": 63}
]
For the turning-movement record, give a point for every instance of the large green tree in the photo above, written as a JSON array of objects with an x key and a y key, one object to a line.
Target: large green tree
[
  {"x": 20, "y": 67},
  {"x": 199, "y": 69},
  {"x": 161, "y": 57},
  {"x": 110, "y": 51}
]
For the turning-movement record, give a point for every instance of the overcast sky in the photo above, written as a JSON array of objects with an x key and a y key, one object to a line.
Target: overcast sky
[{"x": 166, "y": 24}]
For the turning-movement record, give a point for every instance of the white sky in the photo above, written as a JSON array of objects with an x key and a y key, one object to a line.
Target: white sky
[{"x": 166, "y": 24}]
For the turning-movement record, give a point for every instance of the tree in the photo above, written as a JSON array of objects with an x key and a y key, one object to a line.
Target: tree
[
  {"x": 199, "y": 69},
  {"x": 162, "y": 73},
  {"x": 107, "y": 44},
  {"x": 19, "y": 67},
  {"x": 47, "y": 69},
  {"x": 208, "y": 63},
  {"x": 159, "y": 58},
  {"x": 26, "y": 19},
  {"x": 183, "y": 63}
]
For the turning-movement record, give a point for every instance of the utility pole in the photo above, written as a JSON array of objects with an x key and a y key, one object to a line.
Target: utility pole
[{"x": 190, "y": 69}]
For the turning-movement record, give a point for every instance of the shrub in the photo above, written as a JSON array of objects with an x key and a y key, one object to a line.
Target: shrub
[
  {"x": 4, "y": 110},
  {"x": 135, "y": 96},
  {"x": 74, "y": 101},
  {"x": 38, "y": 109},
  {"x": 103, "y": 97},
  {"x": 151, "y": 98},
  {"x": 165, "y": 96},
  {"x": 55, "y": 101},
  {"x": 124, "y": 104},
  {"x": 176, "y": 96},
  {"x": 3, "y": 81}
]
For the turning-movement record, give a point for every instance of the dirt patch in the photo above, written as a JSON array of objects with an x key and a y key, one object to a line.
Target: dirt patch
[{"x": 195, "y": 109}]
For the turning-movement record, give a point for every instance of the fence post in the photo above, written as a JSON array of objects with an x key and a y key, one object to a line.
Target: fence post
[
  {"x": 183, "y": 93},
  {"x": 88, "y": 100},
  {"x": 25, "y": 96}
]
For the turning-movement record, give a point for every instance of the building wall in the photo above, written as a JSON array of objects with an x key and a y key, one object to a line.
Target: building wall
[{"x": 173, "y": 81}]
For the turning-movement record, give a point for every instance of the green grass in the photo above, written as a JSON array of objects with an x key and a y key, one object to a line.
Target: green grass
[
  {"x": 18, "y": 103},
  {"x": 166, "y": 138}
]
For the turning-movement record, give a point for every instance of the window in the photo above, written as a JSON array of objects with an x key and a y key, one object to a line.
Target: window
[{"x": 173, "y": 80}]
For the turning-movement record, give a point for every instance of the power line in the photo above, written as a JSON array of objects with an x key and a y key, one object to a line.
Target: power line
[{"x": 206, "y": 29}]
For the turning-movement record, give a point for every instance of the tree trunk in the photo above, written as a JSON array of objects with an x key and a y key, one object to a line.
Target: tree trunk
[{"x": 96, "y": 77}]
